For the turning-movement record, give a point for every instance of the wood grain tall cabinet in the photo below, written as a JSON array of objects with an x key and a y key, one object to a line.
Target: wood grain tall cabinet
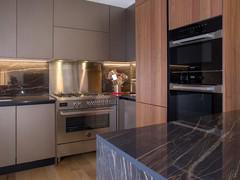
[
  {"x": 231, "y": 54},
  {"x": 151, "y": 57},
  {"x": 184, "y": 12}
]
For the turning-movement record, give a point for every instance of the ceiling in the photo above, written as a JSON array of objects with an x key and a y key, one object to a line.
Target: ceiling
[{"x": 118, "y": 3}]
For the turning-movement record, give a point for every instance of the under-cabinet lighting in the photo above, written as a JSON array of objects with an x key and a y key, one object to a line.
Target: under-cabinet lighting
[{"x": 23, "y": 60}]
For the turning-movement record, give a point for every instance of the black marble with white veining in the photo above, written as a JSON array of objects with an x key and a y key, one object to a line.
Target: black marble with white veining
[
  {"x": 23, "y": 78},
  {"x": 207, "y": 148}
]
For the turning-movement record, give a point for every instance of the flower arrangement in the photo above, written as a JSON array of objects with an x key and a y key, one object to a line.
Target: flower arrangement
[{"x": 118, "y": 79}]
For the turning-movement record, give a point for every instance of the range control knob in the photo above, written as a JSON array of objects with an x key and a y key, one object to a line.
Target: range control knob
[{"x": 74, "y": 105}]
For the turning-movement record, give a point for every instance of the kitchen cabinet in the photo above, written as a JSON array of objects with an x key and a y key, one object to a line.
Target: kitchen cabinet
[
  {"x": 8, "y": 28},
  {"x": 7, "y": 136},
  {"x": 186, "y": 12},
  {"x": 35, "y": 132},
  {"x": 149, "y": 115},
  {"x": 231, "y": 55},
  {"x": 81, "y": 14},
  {"x": 138, "y": 2},
  {"x": 151, "y": 57},
  {"x": 80, "y": 44},
  {"x": 34, "y": 28},
  {"x": 131, "y": 33},
  {"x": 127, "y": 114},
  {"x": 117, "y": 33}
]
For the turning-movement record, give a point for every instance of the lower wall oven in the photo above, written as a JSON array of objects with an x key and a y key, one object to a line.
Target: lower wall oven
[
  {"x": 187, "y": 106},
  {"x": 77, "y": 128}
]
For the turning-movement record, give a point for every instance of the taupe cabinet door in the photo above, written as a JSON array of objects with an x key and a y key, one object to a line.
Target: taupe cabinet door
[
  {"x": 80, "y": 44},
  {"x": 35, "y": 132},
  {"x": 81, "y": 14},
  {"x": 35, "y": 28},
  {"x": 7, "y": 136},
  {"x": 131, "y": 33},
  {"x": 8, "y": 28},
  {"x": 118, "y": 33}
]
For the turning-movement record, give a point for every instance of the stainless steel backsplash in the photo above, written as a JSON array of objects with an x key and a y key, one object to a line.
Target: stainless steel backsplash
[
  {"x": 19, "y": 77},
  {"x": 87, "y": 77},
  {"x": 75, "y": 77}
]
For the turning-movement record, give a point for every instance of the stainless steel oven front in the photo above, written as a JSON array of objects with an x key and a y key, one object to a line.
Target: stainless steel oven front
[{"x": 82, "y": 125}]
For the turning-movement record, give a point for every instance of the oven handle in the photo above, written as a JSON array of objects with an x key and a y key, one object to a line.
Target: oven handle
[
  {"x": 95, "y": 112},
  {"x": 196, "y": 88},
  {"x": 196, "y": 39}
]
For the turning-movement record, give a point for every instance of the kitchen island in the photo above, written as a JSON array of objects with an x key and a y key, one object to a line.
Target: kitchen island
[{"x": 207, "y": 148}]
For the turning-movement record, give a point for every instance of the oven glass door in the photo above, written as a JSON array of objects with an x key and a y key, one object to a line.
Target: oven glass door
[
  {"x": 84, "y": 125},
  {"x": 206, "y": 55},
  {"x": 87, "y": 122},
  {"x": 187, "y": 107}
]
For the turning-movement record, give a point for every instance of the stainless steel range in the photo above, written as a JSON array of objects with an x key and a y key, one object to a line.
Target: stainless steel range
[{"x": 79, "y": 118}]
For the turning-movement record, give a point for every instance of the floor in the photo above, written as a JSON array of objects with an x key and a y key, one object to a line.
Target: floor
[{"x": 80, "y": 167}]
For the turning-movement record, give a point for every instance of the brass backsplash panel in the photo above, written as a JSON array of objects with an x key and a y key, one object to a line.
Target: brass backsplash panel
[{"x": 19, "y": 77}]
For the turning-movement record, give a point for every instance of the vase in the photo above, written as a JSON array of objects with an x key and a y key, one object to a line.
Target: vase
[{"x": 117, "y": 88}]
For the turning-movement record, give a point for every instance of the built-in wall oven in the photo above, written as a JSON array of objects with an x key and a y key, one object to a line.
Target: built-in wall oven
[{"x": 195, "y": 87}]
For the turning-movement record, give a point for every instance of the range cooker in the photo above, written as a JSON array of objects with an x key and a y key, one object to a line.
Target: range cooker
[{"x": 79, "y": 118}]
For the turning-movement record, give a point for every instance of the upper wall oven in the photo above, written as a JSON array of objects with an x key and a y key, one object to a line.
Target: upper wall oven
[{"x": 197, "y": 47}]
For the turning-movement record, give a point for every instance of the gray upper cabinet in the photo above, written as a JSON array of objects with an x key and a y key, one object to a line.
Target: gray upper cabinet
[
  {"x": 117, "y": 33},
  {"x": 80, "y": 44},
  {"x": 8, "y": 28},
  {"x": 131, "y": 35},
  {"x": 34, "y": 28},
  {"x": 7, "y": 136},
  {"x": 81, "y": 14}
]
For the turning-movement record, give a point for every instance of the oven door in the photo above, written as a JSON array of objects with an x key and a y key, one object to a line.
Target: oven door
[
  {"x": 197, "y": 53},
  {"x": 187, "y": 106},
  {"x": 73, "y": 126}
]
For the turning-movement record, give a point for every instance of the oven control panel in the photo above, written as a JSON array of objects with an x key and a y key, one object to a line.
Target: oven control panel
[{"x": 88, "y": 103}]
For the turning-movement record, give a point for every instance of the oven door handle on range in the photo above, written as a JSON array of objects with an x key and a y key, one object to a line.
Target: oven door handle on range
[
  {"x": 196, "y": 39},
  {"x": 84, "y": 112},
  {"x": 196, "y": 88}
]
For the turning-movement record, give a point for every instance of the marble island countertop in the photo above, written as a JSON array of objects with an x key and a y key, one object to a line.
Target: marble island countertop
[{"x": 208, "y": 148}]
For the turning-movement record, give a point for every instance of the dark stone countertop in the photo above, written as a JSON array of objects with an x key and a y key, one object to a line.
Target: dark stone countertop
[
  {"x": 28, "y": 100},
  {"x": 207, "y": 149},
  {"x": 130, "y": 97}
]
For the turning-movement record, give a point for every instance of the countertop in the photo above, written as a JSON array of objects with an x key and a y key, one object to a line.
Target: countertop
[
  {"x": 206, "y": 149},
  {"x": 28, "y": 100},
  {"x": 130, "y": 97}
]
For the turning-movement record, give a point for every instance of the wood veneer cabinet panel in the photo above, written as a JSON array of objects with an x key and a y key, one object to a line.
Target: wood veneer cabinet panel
[
  {"x": 150, "y": 115},
  {"x": 231, "y": 46},
  {"x": 138, "y": 2},
  {"x": 151, "y": 52},
  {"x": 184, "y": 12}
]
